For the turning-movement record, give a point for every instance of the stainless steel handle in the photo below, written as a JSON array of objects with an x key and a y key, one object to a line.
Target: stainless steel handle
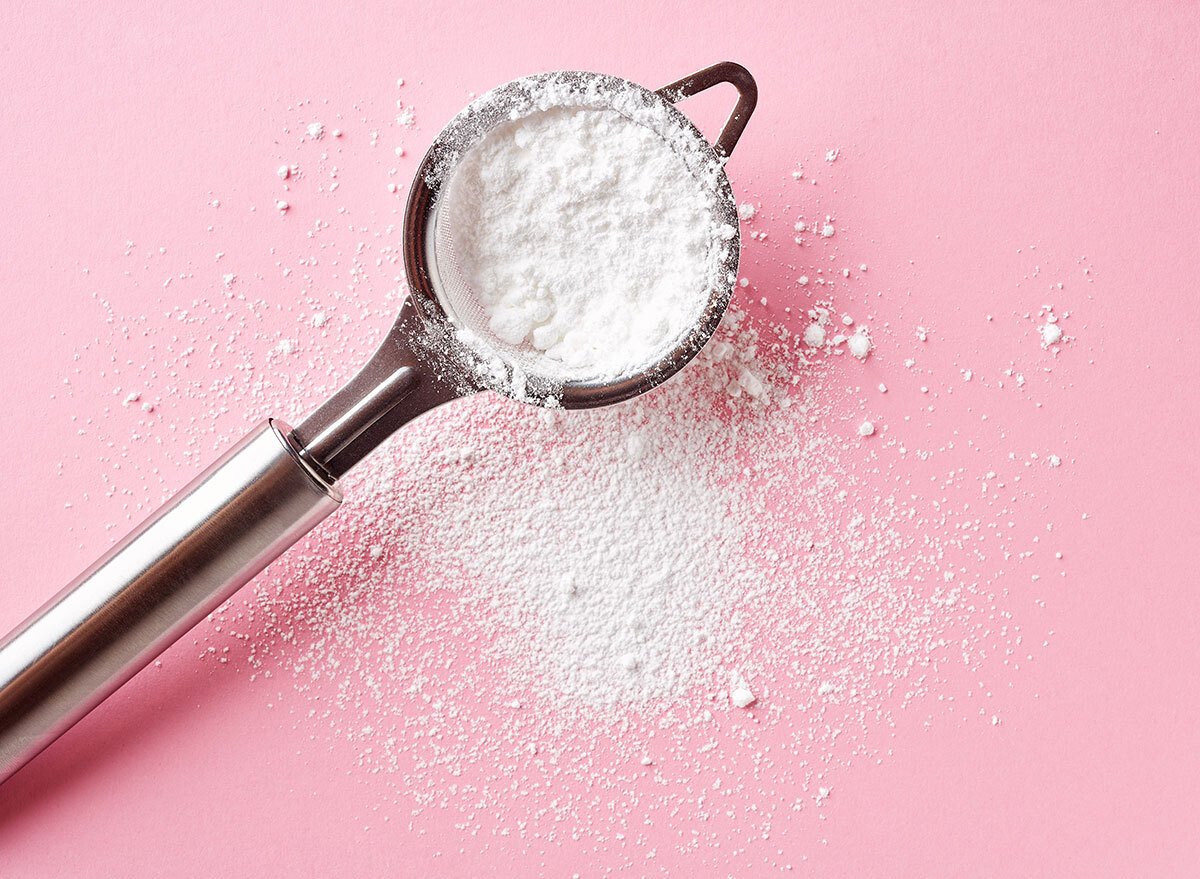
[{"x": 209, "y": 540}]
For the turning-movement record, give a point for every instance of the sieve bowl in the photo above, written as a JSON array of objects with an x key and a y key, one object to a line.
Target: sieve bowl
[{"x": 432, "y": 293}]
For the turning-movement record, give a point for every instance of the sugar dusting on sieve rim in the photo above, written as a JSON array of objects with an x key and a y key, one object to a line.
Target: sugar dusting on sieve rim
[{"x": 485, "y": 366}]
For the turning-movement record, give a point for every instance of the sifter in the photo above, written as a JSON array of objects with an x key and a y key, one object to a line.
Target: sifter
[{"x": 277, "y": 483}]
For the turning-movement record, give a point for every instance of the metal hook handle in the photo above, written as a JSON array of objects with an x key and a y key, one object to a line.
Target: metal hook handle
[{"x": 734, "y": 74}]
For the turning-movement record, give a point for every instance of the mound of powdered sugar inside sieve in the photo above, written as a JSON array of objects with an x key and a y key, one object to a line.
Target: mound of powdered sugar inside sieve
[{"x": 584, "y": 239}]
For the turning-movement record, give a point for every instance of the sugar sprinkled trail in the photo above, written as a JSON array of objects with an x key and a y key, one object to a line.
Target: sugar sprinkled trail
[{"x": 551, "y": 624}]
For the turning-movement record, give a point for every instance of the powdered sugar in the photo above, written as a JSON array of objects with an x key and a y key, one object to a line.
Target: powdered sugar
[
  {"x": 860, "y": 343},
  {"x": 598, "y": 602},
  {"x": 584, "y": 236},
  {"x": 519, "y": 612},
  {"x": 742, "y": 697}
]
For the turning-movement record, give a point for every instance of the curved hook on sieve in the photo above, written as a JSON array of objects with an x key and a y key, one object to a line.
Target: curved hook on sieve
[{"x": 734, "y": 74}]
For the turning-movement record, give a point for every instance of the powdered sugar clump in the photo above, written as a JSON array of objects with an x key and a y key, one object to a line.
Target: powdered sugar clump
[
  {"x": 814, "y": 335},
  {"x": 742, "y": 697},
  {"x": 859, "y": 344}
]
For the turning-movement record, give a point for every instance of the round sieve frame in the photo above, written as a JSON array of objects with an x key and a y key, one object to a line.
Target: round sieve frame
[{"x": 473, "y": 123}]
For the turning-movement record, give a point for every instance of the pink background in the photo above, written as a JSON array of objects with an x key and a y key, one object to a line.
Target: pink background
[{"x": 988, "y": 150}]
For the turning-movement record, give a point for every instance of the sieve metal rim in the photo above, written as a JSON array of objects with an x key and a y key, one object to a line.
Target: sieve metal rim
[{"x": 586, "y": 394}]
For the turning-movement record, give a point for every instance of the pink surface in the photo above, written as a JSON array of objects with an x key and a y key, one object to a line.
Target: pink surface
[{"x": 986, "y": 154}]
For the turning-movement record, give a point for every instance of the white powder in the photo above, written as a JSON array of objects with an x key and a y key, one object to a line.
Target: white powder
[
  {"x": 742, "y": 697},
  {"x": 584, "y": 236},
  {"x": 612, "y": 557},
  {"x": 599, "y": 593},
  {"x": 469, "y": 631},
  {"x": 1051, "y": 334},
  {"x": 859, "y": 344}
]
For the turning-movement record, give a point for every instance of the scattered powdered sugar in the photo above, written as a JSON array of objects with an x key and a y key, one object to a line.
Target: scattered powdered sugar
[
  {"x": 627, "y": 575},
  {"x": 574, "y": 625},
  {"x": 582, "y": 234},
  {"x": 584, "y": 554},
  {"x": 596, "y": 591}
]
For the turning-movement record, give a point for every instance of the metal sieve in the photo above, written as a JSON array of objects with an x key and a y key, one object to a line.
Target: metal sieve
[
  {"x": 275, "y": 485},
  {"x": 439, "y": 284}
]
